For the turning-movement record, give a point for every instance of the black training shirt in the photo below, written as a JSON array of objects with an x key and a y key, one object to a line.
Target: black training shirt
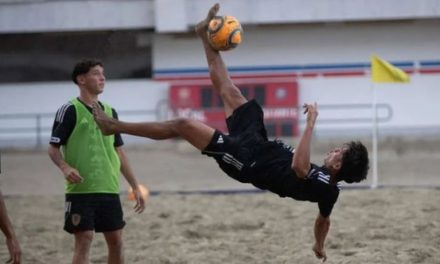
[
  {"x": 272, "y": 171},
  {"x": 64, "y": 123}
]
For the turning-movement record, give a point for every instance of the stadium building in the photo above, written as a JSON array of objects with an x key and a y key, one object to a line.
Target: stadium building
[{"x": 292, "y": 52}]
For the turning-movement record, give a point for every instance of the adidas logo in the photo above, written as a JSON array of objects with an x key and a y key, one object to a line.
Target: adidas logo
[{"x": 220, "y": 140}]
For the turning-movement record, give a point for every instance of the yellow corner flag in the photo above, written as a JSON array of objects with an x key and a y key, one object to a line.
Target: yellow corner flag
[{"x": 384, "y": 72}]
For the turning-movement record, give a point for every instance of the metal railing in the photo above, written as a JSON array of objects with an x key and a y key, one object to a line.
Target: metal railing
[
  {"x": 35, "y": 128},
  {"x": 384, "y": 113},
  {"x": 32, "y": 130}
]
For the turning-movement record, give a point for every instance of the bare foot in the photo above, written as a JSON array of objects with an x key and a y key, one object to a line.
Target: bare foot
[
  {"x": 202, "y": 26},
  {"x": 105, "y": 123}
]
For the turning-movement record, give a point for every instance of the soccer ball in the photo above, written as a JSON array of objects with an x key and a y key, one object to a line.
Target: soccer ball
[
  {"x": 144, "y": 192},
  {"x": 224, "y": 33}
]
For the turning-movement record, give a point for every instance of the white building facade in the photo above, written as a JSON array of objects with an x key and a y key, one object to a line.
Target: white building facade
[{"x": 323, "y": 47}]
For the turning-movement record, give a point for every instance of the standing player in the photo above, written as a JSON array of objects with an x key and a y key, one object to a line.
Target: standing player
[
  {"x": 91, "y": 164},
  {"x": 247, "y": 155}
]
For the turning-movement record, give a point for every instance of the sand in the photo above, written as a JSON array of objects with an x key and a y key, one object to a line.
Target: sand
[{"x": 387, "y": 225}]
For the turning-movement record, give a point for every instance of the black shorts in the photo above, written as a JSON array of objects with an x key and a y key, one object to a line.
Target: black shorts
[
  {"x": 96, "y": 211},
  {"x": 248, "y": 118},
  {"x": 234, "y": 152}
]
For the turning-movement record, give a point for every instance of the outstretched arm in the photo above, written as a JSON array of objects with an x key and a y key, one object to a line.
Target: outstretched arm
[
  {"x": 301, "y": 158},
  {"x": 131, "y": 179},
  {"x": 322, "y": 226},
  {"x": 8, "y": 231}
]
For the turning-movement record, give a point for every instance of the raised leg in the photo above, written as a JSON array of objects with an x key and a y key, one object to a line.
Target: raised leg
[
  {"x": 195, "y": 132},
  {"x": 230, "y": 94}
]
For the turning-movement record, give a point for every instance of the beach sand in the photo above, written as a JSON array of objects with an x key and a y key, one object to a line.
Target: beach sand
[{"x": 385, "y": 225}]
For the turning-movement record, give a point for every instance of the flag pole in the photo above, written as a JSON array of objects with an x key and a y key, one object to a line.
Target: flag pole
[
  {"x": 381, "y": 72},
  {"x": 375, "y": 179}
]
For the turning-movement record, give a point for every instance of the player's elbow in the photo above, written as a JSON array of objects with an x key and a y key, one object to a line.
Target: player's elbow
[
  {"x": 51, "y": 150},
  {"x": 300, "y": 171}
]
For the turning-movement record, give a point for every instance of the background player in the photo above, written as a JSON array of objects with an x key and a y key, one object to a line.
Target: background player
[{"x": 91, "y": 164}]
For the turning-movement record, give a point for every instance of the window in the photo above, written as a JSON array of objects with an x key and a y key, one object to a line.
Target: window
[
  {"x": 206, "y": 97},
  {"x": 244, "y": 91},
  {"x": 281, "y": 93},
  {"x": 38, "y": 57},
  {"x": 260, "y": 94},
  {"x": 287, "y": 129},
  {"x": 271, "y": 129}
]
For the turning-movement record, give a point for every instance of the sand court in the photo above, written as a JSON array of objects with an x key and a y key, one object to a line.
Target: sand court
[{"x": 386, "y": 225}]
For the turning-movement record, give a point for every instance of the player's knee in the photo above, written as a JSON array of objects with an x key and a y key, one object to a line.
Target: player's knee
[
  {"x": 83, "y": 240},
  {"x": 184, "y": 124},
  {"x": 114, "y": 240},
  {"x": 115, "y": 243}
]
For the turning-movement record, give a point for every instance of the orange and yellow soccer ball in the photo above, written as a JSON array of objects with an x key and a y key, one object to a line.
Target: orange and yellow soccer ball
[{"x": 224, "y": 32}]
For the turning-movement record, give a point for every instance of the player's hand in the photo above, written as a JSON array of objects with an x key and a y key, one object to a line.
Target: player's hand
[
  {"x": 319, "y": 252},
  {"x": 72, "y": 175},
  {"x": 140, "y": 201},
  {"x": 312, "y": 113}
]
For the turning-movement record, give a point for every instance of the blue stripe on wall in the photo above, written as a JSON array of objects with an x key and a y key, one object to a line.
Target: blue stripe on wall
[
  {"x": 295, "y": 68},
  {"x": 429, "y": 63},
  {"x": 349, "y": 66}
]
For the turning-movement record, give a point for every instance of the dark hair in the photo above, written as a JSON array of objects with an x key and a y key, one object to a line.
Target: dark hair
[
  {"x": 84, "y": 66},
  {"x": 355, "y": 163}
]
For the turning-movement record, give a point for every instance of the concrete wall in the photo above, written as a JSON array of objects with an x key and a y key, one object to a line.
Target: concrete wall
[
  {"x": 48, "y": 97},
  {"x": 267, "y": 45},
  {"x": 180, "y": 15},
  {"x": 47, "y": 16},
  {"x": 309, "y": 44},
  {"x": 300, "y": 11},
  {"x": 135, "y": 100},
  {"x": 414, "y": 106}
]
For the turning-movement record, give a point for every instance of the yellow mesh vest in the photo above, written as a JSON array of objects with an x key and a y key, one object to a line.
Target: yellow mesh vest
[{"x": 92, "y": 154}]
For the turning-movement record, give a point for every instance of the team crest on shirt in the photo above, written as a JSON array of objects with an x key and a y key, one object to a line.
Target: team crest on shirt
[
  {"x": 84, "y": 121},
  {"x": 76, "y": 219}
]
